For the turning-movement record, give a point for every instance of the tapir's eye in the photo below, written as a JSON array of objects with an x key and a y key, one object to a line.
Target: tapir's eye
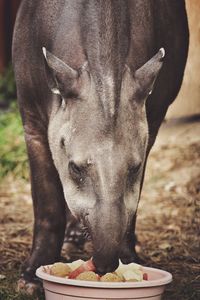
[{"x": 77, "y": 172}]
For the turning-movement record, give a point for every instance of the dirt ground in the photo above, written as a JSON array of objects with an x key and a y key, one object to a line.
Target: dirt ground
[{"x": 168, "y": 216}]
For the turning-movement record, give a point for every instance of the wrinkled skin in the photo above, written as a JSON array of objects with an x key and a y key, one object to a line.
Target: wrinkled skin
[{"x": 92, "y": 102}]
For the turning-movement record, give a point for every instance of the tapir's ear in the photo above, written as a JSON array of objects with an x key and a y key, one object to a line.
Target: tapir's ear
[
  {"x": 147, "y": 74},
  {"x": 60, "y": 72}
]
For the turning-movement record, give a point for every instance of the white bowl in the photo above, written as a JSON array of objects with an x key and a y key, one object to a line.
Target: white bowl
[{"x": 58, "y": 288}]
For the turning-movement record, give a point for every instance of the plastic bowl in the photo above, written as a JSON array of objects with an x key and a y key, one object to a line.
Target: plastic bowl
[{"x": 57, "y": 288}]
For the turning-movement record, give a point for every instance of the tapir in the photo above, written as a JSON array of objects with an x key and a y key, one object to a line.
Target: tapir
[{"x": 94, "y": 81}]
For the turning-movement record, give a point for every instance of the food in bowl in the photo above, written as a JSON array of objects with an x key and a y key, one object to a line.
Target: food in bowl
[
  {"x": 60, "y": 269},
  {"x": 83, "y": 267},
  {"x": 57, "y": 288},
  {"x": 81, "y": 270},
  {"x": 88, "y": 275},
  {"x": 111, "y": 277}
]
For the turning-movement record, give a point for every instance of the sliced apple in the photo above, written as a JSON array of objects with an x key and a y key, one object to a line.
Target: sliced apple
[{"x": 86, "y": 266}]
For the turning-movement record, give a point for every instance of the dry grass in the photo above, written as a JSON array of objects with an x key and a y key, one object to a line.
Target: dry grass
[
  {"x": 169, "y": 218},
  {"x": 167, "y": 228}
]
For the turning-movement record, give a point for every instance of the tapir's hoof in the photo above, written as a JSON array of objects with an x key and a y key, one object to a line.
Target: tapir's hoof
[{"x": 29, "y": 288}]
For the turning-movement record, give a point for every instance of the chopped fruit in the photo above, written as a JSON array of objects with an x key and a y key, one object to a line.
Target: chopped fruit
[
  {"x": 130, "y": 267},
  {"x": 89, "y": 265},
  {"x": 85, "y": 270},
  {"x": 145, "y": 276},
  {"x": 131, "y": 275},
  {"x": 110, "y": 277},
  {"x": 60, "y": 269},
  {"x": 76, "y": 272},
  {"x": 86, "y": 266},
  {"x": 75, "y": 264},
  {"x": 120, "y": 276},
  {"x": 89, "y": 276}
]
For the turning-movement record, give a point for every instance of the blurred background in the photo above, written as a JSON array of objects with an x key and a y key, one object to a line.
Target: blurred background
[
  {"x": 170, "y": 202},
  {"x": 8, "y": 10}
]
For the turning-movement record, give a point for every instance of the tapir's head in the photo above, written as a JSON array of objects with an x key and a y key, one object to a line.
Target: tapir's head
[{"x": 98, "y": 136}]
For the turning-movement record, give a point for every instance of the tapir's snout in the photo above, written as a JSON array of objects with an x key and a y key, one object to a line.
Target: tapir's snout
[
  {"x": 105, "y": 262},
  {"x": 106, "y": 251},
  {"x": 108, "y": 227}
]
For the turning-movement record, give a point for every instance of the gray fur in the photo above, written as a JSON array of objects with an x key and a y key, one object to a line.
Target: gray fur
[{"x": 105, "y": 109}]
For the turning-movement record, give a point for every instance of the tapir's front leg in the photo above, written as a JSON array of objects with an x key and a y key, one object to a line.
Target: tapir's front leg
[{"x": 49, "y": 205}]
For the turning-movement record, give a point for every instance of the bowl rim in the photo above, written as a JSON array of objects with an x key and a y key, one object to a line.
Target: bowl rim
[{"x": 166, "y": 279}]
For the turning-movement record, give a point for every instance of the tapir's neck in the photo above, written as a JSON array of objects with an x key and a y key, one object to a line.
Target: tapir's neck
[{"x": 105, "y": 33}]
